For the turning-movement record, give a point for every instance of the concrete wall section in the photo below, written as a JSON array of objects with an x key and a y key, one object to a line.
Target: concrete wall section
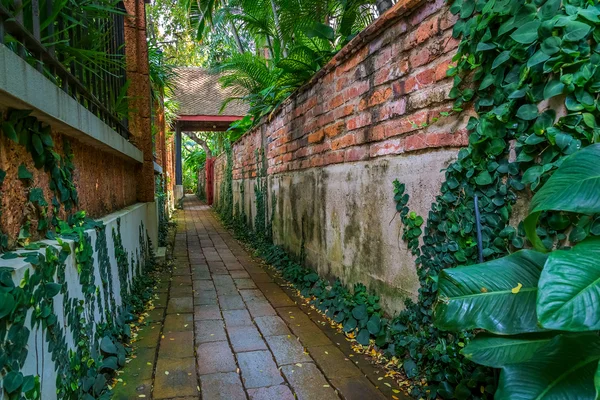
[
  {"x": 376, "y": 112},
  {"x": 39, "y": 360}
]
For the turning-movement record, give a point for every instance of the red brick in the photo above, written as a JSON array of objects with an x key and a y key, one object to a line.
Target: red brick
[
  {"x": 406, "y": 124},
  {"x": 336, "y": 101},
  {"x": 420, "y": 57},
  {"x": 393, "y": 146},
  {"x": 356, "y": 59},
  {"x": 442, "y": 69},
  {"x": 392, "y": 109},
  {"x": 359, "y": 121},
  {"x": 287, "y": 157},
  {"x": 383, "y": 57},
  {"x": 343, "y": 142},
  {"x": 335, "y": 129},
  {"x": 379, "y": 96},
  {"x": 326, "y": 119},
  {"x": 448, "y": 20},
  {"x": 342, "y": 82},
  {"x": 320, "y": 148},
  {"x": 316, "y": 137},
  {"x": 342, "y": 112},
  {"x": 316, "y": 161},
  {"x": 357, "y": 153},
  {"x": 425, "y": 11},
  {"x": 333, "y": 157},
  {"x": 357, "y": 89},
  {"x": 427, "y": 29}
]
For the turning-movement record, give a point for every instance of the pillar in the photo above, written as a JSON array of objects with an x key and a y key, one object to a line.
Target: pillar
[{"x": 140, "y": 102}]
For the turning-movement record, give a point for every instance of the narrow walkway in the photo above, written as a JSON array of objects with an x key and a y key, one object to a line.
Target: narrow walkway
[{"x": 230, "y": 332}]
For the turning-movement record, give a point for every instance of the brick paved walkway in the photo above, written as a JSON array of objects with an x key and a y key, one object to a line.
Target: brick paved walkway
[{"x": 223, "y": 329}]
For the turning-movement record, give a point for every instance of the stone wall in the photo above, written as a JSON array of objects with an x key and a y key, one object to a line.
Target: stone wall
[{"x": 372, "y": 115}]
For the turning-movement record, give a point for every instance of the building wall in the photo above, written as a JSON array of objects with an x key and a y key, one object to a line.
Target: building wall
[
  {"x": 105, "y": 182},
  {"x": 372, "y": 115}
]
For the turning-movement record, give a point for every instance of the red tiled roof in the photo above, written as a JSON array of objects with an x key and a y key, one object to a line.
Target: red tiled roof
[{"x": 198, "y": 92}]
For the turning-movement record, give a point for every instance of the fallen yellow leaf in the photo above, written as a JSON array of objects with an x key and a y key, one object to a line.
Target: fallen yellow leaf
[{"x": 517, "y": 289}]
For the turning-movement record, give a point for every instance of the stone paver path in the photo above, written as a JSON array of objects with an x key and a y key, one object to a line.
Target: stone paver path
[{"x": 223, "y": 329}]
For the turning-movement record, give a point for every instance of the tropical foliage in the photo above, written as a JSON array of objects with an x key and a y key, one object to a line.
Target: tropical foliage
[
  {"x": 548, "y": 304},
  {"x": 280, "y": 43}
]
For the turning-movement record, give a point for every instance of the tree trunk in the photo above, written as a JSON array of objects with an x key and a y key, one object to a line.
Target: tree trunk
[
  {"x": 278, "y": 28},
  {"x": 201, "y": 142},
  {"x": 383, "y": 5},
  {"x": 236, "y": 35}
]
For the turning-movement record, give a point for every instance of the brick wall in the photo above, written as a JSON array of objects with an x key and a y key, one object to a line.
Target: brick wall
[
  {"x": 370, "y": 103},
  {"x": 376, "y": 104}
]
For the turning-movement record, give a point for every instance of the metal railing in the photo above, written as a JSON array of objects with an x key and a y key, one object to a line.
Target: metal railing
[{"x": 58, "y": 42}]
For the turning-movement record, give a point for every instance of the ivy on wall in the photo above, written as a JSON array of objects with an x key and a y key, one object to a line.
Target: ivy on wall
[
  {"x": 83, "y": 372},
  {"x": 530, "y": 69}
]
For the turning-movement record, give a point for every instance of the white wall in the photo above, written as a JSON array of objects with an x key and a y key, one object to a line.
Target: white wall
[{"x": 39, "y": 360}]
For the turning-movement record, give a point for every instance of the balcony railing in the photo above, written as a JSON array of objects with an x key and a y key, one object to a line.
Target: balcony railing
[{"x": 79, "y": 45}]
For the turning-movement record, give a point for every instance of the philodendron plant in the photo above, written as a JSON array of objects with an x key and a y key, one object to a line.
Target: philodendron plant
[{"x": 540, "y": 310}]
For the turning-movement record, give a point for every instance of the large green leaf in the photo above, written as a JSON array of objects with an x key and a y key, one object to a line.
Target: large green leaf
[
  {"x": 569, "y": 288},
  {"x": 597, "y": 382},
  {"x": 566, "y": 372},
  {"x": 574, "y": 187},
  {"x": 498, "y": 351},
  {"x": 498, "y": 295}
]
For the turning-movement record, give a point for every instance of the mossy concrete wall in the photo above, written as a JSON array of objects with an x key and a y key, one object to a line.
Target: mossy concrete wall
[{"x": 342, "y": 218}]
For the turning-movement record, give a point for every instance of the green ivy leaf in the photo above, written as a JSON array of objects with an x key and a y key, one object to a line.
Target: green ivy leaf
[
  {"x": 7, "y": 304},
  {"x": 52, "y": 289},
  {"x": 498, "y": 351},
  {"x": 484, "y": 178},
  {"x": 363, "y": 337},
  {"x": 12, "y": 381},
  {"x": 527, "y": 33},
  {"x": 527, "y": 112},
  {"x": 23, "y": 172},
  {"x": 553, "y": 88},
  {"x": 9, "y": 131},
  {"x": 573, "y": 187},
  {"x": 501, "y": 59},
  {"x": 37, "y": 144},
  {"x": 576, "y": 30},
  {"x": 566, "y": 369},
  {"x": 374, "y": 325}
]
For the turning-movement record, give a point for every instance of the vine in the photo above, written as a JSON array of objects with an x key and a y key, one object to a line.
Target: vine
[{"x": 83, "y": 371}]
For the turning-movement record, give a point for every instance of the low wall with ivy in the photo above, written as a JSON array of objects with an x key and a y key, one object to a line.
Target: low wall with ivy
[{"x": 65, "y": 306}]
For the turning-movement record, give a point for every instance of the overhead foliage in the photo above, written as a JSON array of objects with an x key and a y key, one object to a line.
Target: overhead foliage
[{"x": 280, "y": 43}]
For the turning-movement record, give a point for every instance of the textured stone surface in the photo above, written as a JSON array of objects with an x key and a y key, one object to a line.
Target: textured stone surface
[
  {"x": 258, "y": 369},
  {"x": 222, "y": 386},
  {"x": 177, "y": 345},
  {"x": 280, "y": 392},
  {"x": 308, "y": 382},
  {"x": 287, "y": 350},
  {"x": 245, "y": 338},
  {"x": 215, "y": 357},
  {"x": 271, "y": 325},
  {"x": 175, "y": 378}
]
